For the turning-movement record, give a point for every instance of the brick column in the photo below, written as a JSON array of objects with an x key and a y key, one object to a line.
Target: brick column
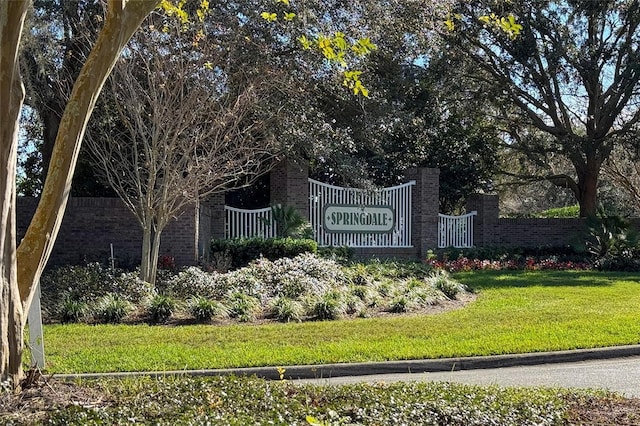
[
  {"x": 211, "y": 222},
  {"x": 290, "y": 185},
  {"x": 484, "y": 231},
  {"x": 425, "y": 205}
]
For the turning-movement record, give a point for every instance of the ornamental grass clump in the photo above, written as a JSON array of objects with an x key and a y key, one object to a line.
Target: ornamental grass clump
[
  {"x": 329, "y": 306},
  {"x": 72, "y": 310},
  {"x": 243, "y": 307},
  {"x": 204, "y": 310},
  {"x": 112, "y": 308},
  {"x": 161, "y": 307},
  {"x": 284, "y": 309},
  {"x": 442, "y": 281}
]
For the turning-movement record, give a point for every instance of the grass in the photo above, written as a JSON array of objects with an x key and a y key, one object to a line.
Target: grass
[{"x": 516, "y": 311}]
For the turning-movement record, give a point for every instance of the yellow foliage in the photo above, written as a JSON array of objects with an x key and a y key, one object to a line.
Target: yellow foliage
[
  {"x": 507, "y": 24},
  {"x": 269, "y": 16},
  {"x": 363, "y": 47},
  {"x": 306, "y": 43},
  {"x": 176, "y": 9}
]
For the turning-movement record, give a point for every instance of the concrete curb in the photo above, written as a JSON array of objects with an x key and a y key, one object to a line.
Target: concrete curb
[{"x": 325, "y": 371}]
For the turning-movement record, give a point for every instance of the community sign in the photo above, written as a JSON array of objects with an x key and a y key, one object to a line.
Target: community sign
[{"x": 346, "y": 218}]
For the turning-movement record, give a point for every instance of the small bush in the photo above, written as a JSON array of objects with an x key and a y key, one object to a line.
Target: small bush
[
  {"x": 161, "y": 307},
  {"x": 111, "y": 308},
  {"x": 363, "y": 292},
  {"x": 342, "y": 254},
  {"x": 284, "y": 309},
  {"x": 203, "y": 309},
  {"x": 131, "y": 287},
  {"x": 353, "y": 304},
  {"x": 243, "y": 307}
]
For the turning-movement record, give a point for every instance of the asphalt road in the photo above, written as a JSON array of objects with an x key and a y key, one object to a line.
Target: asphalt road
[{"x": 620, "y": 375}]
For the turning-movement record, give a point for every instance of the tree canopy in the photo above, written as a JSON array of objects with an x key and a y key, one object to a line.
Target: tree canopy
[{"x": 572, "y": 74}]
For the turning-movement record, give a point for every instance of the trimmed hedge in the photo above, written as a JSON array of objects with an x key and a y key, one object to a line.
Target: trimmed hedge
[{"x": 241, "y": 251}]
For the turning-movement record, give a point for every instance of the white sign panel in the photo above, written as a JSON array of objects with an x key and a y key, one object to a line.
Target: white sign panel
[{"x": 342, "y": 218}]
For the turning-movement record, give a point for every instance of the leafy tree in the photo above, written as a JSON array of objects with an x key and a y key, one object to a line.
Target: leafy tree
[
  {"x": 571, "y": 74},
  {"x": 53, "y": 51}
]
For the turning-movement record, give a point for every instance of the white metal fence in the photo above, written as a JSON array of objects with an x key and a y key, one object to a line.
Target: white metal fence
[
  {"x": 242, "y": 223},
  {"x": 455, "y": 231},
  {"x": 396, "y": 199}
]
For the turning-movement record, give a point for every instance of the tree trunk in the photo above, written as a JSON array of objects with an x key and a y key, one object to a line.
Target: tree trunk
[
  {"x": 145, "y": 261},
  {"x": 588, "y": 187},
  {"x": 155, "y": 252},
  {"x": 12, "y": 318}
]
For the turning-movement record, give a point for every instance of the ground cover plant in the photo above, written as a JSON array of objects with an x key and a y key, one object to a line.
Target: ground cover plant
[
  {"x": 241, "y": 401},
  {"x": 515, "y": 312}
]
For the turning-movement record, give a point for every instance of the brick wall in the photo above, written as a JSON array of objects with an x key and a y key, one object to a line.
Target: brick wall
[
  {"x": 424, "y": 215},
  {"x": 491, "y": 230},
  {"x": 91, "y": 225}
]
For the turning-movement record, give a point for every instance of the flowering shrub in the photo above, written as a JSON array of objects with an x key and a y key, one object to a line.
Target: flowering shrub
[
  {"x": 192, "y": 282},
  {"x": 305, "y": 274},
  {"x": 529, "y": 263}
]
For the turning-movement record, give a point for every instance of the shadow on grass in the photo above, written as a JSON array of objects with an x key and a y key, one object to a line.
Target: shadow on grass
[{"x": 478, "y": 280}]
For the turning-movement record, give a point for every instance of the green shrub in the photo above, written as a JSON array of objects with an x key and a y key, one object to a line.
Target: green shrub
[
  {"x": 560, "y": 212},
  {"x": 90, "y": 282},
  {"x": 284, "y": 309},
  {"x": 363, "y": 292},
  {"x": 353, "y": 304},
  {"x": 343, "y": 254},
  {"x": 203, "y": 309},
  {"x": 244, "y": 250},
  {"x": 294, "y": 277},
  {"x": 161, "y": 307},
  {"x": 131, "y": 287},
  {"x": 560, "y": 253},
  {"x": 111, "y": 308},
  {"x": 84, "y": 283}
]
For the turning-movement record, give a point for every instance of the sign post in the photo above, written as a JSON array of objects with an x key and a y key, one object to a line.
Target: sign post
[{"x": 36, "y": 337}]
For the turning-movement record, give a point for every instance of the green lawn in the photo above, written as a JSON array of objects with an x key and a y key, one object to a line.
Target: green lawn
[{"x": 515, "y": 312}]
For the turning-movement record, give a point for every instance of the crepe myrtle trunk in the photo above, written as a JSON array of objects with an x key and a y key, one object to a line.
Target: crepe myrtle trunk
[
  {"x": 21, "y": 267},
  {"x": 12, "y": 318}
]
